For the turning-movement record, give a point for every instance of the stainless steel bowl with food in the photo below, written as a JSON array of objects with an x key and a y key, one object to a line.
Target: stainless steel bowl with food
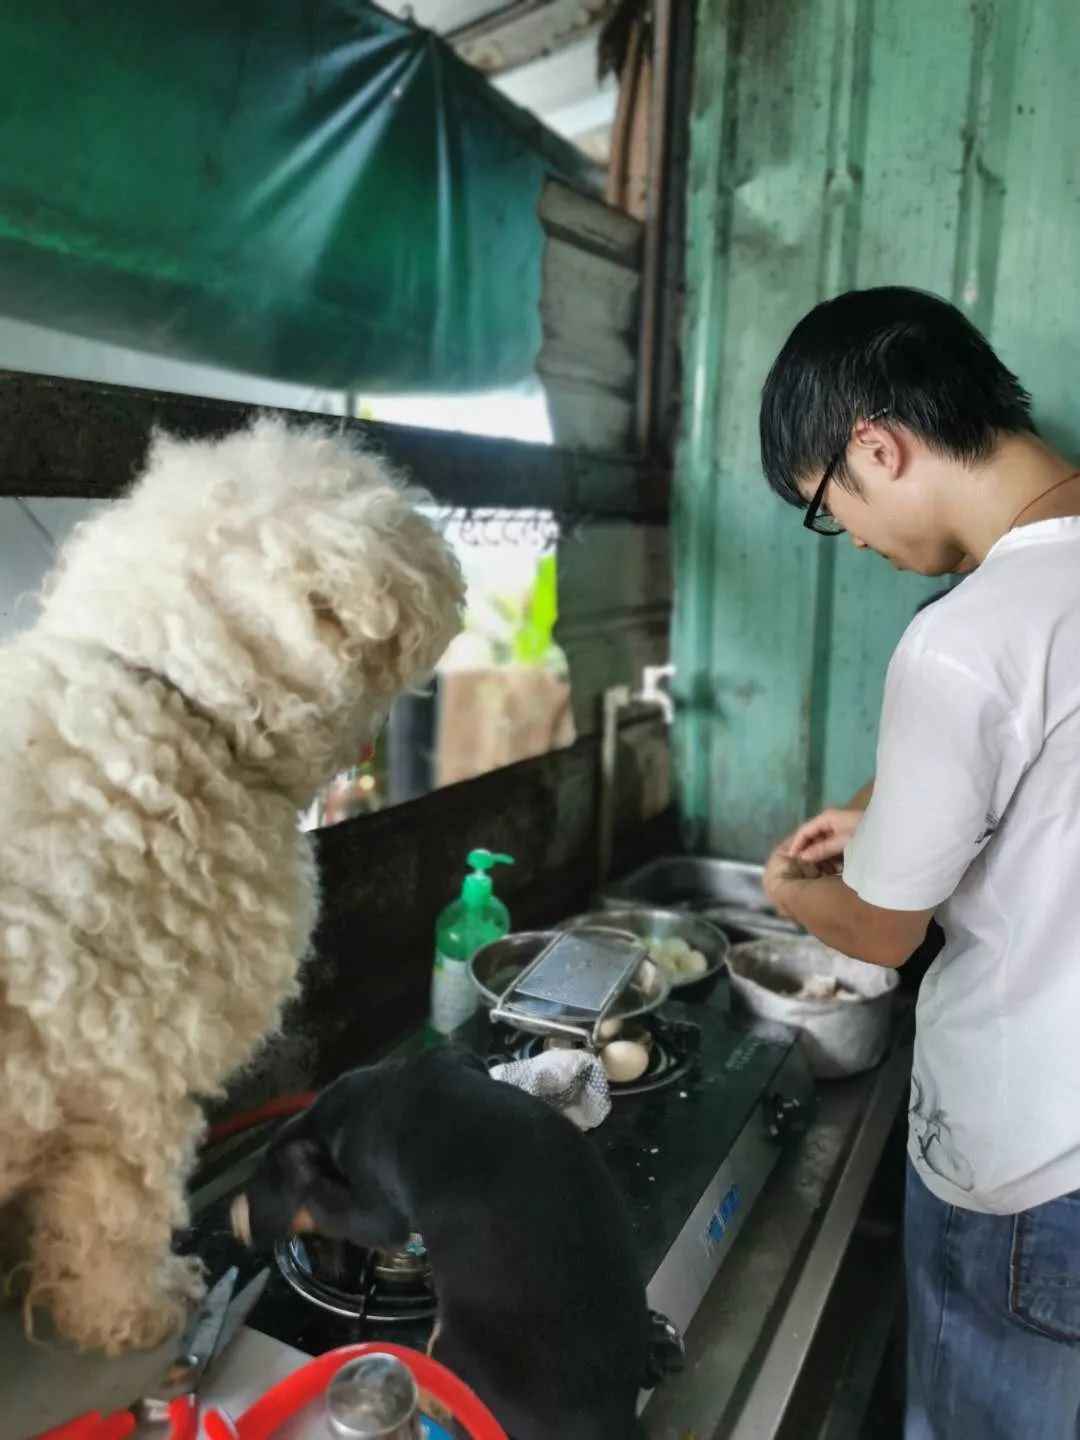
[
  {"x": 690, "y": 951},
  {"x": 493, "y": 968}
]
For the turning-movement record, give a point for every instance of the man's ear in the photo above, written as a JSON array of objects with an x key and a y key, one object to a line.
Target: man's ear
[{"x": 880, "y": 449}]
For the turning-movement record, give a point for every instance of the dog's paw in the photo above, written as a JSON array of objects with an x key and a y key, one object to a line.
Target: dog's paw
[
  {"x": 185, "y": 1278},
  {"x": 145, "y": 1325},
  {"x": 110, "y": 1328},
  {"x": 125, "y": 1319}
]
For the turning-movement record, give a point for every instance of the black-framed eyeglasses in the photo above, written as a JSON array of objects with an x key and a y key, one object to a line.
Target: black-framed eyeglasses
[{"x": 818, "y": 517}]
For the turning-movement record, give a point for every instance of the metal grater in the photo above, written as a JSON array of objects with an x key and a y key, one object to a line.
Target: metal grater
[{"x": 573, "y": 982}]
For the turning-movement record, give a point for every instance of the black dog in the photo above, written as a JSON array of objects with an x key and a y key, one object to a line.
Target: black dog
[{"x": 541, "y": 1304}]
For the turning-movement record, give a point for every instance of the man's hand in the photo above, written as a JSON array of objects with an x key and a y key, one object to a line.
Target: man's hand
[
  {"x": 823, "y": 840},
  {"x": 822, "y": 904},
  {"x": 782, "y": 867}
]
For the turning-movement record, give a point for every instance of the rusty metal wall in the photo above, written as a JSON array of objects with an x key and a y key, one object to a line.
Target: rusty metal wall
[{"x": 841, "y": 143}]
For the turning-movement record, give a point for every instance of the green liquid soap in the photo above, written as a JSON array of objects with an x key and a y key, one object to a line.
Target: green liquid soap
[{"x": 471, "y": 921}]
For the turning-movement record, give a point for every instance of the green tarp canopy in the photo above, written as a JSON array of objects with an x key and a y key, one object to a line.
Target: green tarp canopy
[{"x": 304, "y": 190}]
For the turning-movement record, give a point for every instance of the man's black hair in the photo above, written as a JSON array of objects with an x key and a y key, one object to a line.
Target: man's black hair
[{"x": 902, "y": 352}]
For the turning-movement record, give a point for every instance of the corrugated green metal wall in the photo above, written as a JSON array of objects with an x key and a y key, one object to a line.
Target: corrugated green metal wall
[{"x": 841, "y": 143}]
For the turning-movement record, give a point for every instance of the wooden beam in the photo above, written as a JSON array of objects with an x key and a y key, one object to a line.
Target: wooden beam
[{"x": 76, "y": 438}]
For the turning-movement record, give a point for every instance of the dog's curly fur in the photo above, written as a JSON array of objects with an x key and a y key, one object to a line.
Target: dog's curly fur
[{"x": 211, "y": 651}]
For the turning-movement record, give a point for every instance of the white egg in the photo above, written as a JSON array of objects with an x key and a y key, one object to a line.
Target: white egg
[
  {"x": 624, "y": 1061},
  {"x": 693, "y": 964},
  {"x": 609, "y": 1029},
  {"x": 662, "y": 955},
  {"x": 818, "y": 987}
]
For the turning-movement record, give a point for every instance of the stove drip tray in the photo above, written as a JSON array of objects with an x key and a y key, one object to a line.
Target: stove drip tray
[{"x": 382, "y": 1287}]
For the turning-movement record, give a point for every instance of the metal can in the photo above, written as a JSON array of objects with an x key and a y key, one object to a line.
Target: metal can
[{"x": 374, "y": 1397}]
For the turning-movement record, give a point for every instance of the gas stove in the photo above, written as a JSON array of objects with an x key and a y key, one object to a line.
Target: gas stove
[
  {"x": 691, "y": 1145},
  {"x": 692, "y": 1142}
]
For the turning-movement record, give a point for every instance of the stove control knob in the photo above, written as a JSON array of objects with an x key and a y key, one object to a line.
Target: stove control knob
[{"x": 785, "y": 1116}]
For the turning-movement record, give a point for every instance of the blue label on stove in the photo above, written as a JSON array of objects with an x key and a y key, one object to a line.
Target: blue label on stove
[
  {"x": 433, "y": 1431},
  {"x": 720, "y": 1219}
]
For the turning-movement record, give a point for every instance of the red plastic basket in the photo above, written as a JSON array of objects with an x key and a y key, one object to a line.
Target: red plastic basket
[{"x": 266, "y": 1416}]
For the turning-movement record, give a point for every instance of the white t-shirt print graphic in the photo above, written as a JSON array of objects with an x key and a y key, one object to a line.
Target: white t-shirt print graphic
[
  {"x": 932, "y": 1138},
  {"x": 976, "y": 814}
]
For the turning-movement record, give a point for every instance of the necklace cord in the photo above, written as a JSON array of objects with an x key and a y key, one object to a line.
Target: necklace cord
[{"x": 1057, "y": 485}]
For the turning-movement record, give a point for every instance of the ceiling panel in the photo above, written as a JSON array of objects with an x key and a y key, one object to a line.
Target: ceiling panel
[
  {"x": 529, "y": 33},
  {"x": 540, "y": 53},
  {"x": 562, "y": 90},
  {"x": 444, "y": 16}
]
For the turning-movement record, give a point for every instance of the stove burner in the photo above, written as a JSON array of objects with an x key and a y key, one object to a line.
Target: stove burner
[
  {"x": 402, "y": 1268},
  {"x": 674, "y": 1048},
  {"x": 385, "y": 1288}
]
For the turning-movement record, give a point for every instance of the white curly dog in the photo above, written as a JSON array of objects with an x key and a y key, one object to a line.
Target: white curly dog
[{"x": 211, "y": 651}]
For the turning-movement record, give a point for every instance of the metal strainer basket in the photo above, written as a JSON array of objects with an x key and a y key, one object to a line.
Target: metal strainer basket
[{"x": 572, "y": 984}]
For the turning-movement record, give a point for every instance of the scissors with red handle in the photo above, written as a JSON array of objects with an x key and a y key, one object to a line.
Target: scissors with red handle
[{"x": 172, "y": 1413}]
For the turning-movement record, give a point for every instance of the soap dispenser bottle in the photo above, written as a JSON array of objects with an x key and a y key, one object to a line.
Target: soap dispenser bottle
[{"x": 475, "y": 918}]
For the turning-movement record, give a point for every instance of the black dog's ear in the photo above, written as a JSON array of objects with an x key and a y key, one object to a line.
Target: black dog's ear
[
  {"x": 275, "y": 1198},
  {"x": 296, "y": 1188}
]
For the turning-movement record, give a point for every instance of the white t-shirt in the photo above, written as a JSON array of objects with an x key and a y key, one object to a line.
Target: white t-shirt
[{"x": 976, "y": 813}]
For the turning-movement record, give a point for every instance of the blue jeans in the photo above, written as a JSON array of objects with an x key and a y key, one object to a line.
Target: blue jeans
[{"x": 993, "y": 1321}]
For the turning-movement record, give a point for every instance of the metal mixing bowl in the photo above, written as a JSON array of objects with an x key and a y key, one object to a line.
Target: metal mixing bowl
[
  {"x": 494, "y": 966},
  {"x": 647, "y": 924}
]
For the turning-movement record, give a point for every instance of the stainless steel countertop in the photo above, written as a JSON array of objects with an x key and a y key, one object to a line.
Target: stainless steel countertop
[{"x": 748, "y": 1342}]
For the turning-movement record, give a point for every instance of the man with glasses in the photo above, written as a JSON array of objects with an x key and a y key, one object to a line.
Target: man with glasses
[{"x": 888, "y": 417}]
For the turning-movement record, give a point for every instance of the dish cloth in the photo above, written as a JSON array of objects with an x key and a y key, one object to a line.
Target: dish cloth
[{"x": 572, "y": 1081}]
